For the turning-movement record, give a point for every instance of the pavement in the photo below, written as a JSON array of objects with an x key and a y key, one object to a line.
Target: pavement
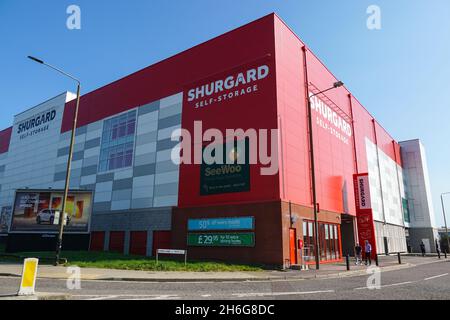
[
  {"x": 419, "y": 278},
  {"x": 326, "y": 270}
]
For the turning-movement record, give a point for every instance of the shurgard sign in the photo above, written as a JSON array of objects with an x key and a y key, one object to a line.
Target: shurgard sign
[
  {"x": 364, "y": 215},
  {"x": 231, "y": 175},
  {"x": 221, "y": 239}
]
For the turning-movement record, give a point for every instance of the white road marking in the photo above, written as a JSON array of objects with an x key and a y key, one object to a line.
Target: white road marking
[
  {"x": 435, "y": 277},
  {"x": 263, "y": 294},
  {"x": 388, "y": 285},
  {"x": 104, "y": 298},
  {"x": 206, "y": 295},
  {"x": 128, "y": 297}
]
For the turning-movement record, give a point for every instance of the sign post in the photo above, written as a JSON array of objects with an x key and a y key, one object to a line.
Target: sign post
[
  {"x": 171, "y": 252},
  {"x": 29, "y": 274}
]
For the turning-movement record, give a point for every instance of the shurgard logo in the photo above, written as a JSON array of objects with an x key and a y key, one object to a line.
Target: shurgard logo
[
  {"x": 228, "y": 87},
  {"x": 36, "y": 124},
  {"x": 330, "y": 120}
]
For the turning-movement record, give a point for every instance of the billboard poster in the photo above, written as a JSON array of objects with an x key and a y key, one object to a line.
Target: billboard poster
[
  {"x": 38, "y": 211},
  {"x": 5, "y": 218},
  {"x": 232, "y": 175},
  {"x": 364, "y": 215}
]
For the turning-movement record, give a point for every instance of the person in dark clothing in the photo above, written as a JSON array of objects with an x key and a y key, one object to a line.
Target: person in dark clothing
[
  {"x": 368, "y": 253},
  {"x": 358, "y": 251},
  {"x": 438, "y": 250},
  {"x": 422, "y": 248}
]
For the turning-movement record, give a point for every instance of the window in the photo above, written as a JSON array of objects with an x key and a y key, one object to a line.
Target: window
[
  {"x": 329, "y": 241},
  {"x": 117, "y": 147}
]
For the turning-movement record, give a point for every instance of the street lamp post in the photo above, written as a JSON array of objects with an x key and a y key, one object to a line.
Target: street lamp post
[
  {"x": 445, "y": 219},
  {"x": 62, "y": 215},
  {"x": 313, "y": 171}
]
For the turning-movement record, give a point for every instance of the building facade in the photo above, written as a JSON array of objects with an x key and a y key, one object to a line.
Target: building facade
[
  {"x": 421, "y": 223},
  {"x": 142, "y": 144}
]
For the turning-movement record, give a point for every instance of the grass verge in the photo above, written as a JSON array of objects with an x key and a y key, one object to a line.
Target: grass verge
[{"x": 108, "y": 260}]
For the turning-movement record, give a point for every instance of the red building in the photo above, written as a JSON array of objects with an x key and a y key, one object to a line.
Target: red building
[{"x": 259, "y": 77}]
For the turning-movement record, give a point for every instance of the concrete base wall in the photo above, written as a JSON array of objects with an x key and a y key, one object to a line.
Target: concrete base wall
[
  {"x": 417, "y": 235},
  {"x": 149, "y": 220},
  {"x": 395, "y": 237}
]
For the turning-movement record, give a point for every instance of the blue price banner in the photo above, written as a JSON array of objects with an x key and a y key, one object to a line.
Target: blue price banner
[{"x": 241, "y": 223}]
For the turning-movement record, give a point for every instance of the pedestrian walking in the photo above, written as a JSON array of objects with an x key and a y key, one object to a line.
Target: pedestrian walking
[
  {"x": 358, "y": 252},
  {"x": 368, "y": 253},
  {"x": 422, "y": 248},
  {"x": 438, "y": 250}
]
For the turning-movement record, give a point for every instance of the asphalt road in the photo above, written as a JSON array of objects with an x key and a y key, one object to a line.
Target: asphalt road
[{"x": 424, "y": 282}]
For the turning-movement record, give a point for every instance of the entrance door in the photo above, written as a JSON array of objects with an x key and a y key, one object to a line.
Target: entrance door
[{"x": 293, "y": 246}]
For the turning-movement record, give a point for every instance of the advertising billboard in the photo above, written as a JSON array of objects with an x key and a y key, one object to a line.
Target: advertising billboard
[
  {"x": 364, "y": 214},
  {"x": 241, "y": 223},
  {"x": 221, "y": 239},
  {"x": 37, "y": 211},
  {"x": 231, "y": 175}
]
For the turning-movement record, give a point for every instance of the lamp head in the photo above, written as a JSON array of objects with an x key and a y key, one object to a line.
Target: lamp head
[
  {"x": 36, "y": 59},
  {"x": 338, "y": 84}
]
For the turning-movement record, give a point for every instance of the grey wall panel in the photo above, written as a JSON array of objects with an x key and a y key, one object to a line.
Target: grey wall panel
[
  {"x": 169, "y": 122},
  {"x": 123, "y": 184},
  {"x": 148, "y": 108},
  {"x": 144, "y": 170},
  {"x": 147, "y": 138},
  {"x": 63, "y": 152},
  {"x": 87, "y": 171},
  {"x": 105, "y": 177},
  {"x": 81, "y": 130},
  {"x": 145, "y": 159},
  {"x": 92, "y": 143},
  {"x": 166, "y": 144},
  {"x": 169, "y": 189}
]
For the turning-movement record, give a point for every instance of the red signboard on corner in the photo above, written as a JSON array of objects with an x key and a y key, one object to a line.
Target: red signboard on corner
[{"x": 364, "y": 216}]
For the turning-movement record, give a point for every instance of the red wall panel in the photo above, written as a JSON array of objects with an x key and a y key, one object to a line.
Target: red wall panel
[
  {"x": 161, "y": 240},
  {"x": 97, "y": 241},
  {"x": 138, "y": 243},
  {"x": 5, "y": 138},
  {"x": 292, "y": 116},
  {"x": 116, "y": 241}
]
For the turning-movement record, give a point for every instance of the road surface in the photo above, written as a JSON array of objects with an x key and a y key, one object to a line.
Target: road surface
[{"x": 429, "y": 281}]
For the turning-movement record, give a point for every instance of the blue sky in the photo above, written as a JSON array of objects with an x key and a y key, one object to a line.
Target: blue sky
[{"x": 400, "y": 73}]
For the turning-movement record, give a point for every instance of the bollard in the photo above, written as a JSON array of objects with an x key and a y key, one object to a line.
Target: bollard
[
  {"x": 376, "y": 260},
  {"x": 445, "y": 254},
  {"x": 347, "y": 260},
  {"x": 399, "y": 258}
]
